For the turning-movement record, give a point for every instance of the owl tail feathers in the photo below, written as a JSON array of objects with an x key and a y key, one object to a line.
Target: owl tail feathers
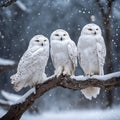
[
  {"x": 18, "y": 85},
  {"x": 90, "y": 92}
]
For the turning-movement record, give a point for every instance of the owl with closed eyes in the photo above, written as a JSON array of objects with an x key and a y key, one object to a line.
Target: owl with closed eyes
[
  {"x": 91, "y": 54},
  {"x": 63, "y": 53},
  {"x": 31, "y": 67}
]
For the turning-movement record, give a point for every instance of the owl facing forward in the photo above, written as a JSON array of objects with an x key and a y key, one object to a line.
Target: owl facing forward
[
  {"x": 91, "y": 55},
  {"x": 63, "y": 53},
  {"x": 31, "y": 67}
]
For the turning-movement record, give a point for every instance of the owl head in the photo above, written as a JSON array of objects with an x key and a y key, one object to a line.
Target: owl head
[
  {"x": 39, "y": 40},
  {"x": 60, "y": 35},
  {"x": 91, "y": 29}
]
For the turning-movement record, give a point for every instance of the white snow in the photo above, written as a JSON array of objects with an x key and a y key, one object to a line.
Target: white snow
[
  {"x": 10, "y": 96},
  {"x": 107, "y": 76},
  {"x": 5, "y": 102},
  {"x": 80, "y": 77},
  {"x": 2, "y": 112},
  {"x": 91, "y": 114},
  {"x": 23, "y": 98},
  {"x": 50, "y": 77},
  {"x": 6, "y": 62},
  {"x": 99, "y": 77},
  {"x": 92, "y": 17}
]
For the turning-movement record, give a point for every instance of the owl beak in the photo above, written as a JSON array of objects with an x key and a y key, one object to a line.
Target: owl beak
[
  {"x": 41, "y": 44},
  {"x": 61, "y": 38},
  {"x": 95, "y": 33}
]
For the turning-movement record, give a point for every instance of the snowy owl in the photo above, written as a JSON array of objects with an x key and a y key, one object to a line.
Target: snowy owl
[
  {"x": 31, "y": 68},
  {"x": 91, "y": 55},
  {"x": 63, "y": 53}
]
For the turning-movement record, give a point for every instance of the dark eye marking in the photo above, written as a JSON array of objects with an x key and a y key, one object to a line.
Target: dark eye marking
[
  {"x": 45, "y": 40},
  {"x": 36, "y": 40},
  {"x": 64, "y": 34},
  {"x": 97, "y": 29},
  {"x": 89, "y": 29},
  {"x": 56, "y": 34}
]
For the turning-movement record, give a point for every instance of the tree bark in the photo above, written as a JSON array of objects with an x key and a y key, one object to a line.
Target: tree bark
[
  {"x": 108, "y": 41},
  {"x": 110, "y": 81},
  {"x": 7, "y": 67}
]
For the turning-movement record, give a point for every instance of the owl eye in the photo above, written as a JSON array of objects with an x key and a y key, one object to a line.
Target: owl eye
[
  {"x": 89, "y": 29},
  {"x": 64, "y": 34},
  {"x": 97, "y": 29},
  {"x": 56, "y": 34},
  {"x": 45, "y": 40},
  {"x": 36, "y": 40}
]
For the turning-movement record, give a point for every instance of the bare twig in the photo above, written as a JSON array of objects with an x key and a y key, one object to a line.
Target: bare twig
[
  {"x": 101, "y": 7},
  {"x": 4, "y": 104}
]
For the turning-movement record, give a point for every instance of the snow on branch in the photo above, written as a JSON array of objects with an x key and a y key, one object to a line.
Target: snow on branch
[
  {"x": 76, "y": 83},
  {"x": 6, "y": 64},
  {"x": 8, "y": 99},
  {"x": 8, "y": 3},
  {"x": 22, "y": 6},
  {"x": 12, "y": 98}
]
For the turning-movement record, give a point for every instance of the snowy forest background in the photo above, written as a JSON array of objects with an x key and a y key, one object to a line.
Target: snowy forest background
[{"x": 26, "y": 18}]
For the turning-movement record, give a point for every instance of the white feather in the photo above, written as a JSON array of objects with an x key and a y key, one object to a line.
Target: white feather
[
  {"x": 91, "y": 55},
  {"x": 31, "y": 67},
  {"x": 63, "y": 53}
]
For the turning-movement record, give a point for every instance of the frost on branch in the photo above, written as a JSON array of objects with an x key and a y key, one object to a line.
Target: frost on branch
[{"x": 75, "y": 83}]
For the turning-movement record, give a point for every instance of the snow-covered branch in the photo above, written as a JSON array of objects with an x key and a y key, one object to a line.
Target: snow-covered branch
[
  {"x": 76, "y": 83},
  {"x": 6, "y": 64}
]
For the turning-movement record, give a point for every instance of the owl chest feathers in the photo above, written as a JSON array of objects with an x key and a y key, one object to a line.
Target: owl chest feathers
[
  {"x": 89, "y": 57},
  {"x": 60, "y": 51}
]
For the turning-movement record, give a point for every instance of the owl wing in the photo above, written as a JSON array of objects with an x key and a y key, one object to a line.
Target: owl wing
[
  {"x": 27, "y": 60},
  {"x": 72, "y": 52},
  {"x": 101, "y": 52},
  {"x": 78, "y": 50},
  {"x": 52, "y": 57},
  {"x": 25, "y": 69}
]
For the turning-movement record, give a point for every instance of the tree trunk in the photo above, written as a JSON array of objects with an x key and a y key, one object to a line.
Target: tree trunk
[{"x": 108, "y": 41}]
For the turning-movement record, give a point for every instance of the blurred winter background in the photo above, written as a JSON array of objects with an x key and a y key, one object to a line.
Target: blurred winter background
[{"x": 26, "y": 18}]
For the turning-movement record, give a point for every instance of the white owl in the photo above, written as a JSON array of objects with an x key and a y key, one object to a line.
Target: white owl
[
  {"x": 31, "y": 68},
  {"x": 63, "y": 53},
  {"x": 91, "y": 55}
]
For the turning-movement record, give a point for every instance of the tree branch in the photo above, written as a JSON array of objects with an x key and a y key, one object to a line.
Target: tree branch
[
  {"x": 8, "y": 3},
  {"x": 4, "y": 103},
  {"x": 76, "y": 83},
  {"x": 101, "y": 8},
  {"x": 109, "y": 6},
  {"x": 7, "y": 67}
]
